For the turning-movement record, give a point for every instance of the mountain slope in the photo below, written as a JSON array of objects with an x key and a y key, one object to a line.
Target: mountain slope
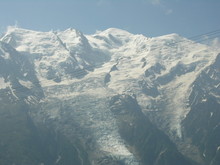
[
  {"x": 22, "y": 140},
  {"x": 144, "y": 139},
  {"x": 201, "y": 125},
  {"x": 17, "y": 76},
  {"x": 78, "y": 75}
]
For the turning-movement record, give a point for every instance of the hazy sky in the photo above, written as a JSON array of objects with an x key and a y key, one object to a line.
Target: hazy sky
[{"x": 148, "y": 17}]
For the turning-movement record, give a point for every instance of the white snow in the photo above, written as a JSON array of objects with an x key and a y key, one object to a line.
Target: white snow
[
  {"x": 23, "y": 48},
  {"x": 58, "y": 159},
  {"x": 89, "y": 95},
  {"x": 217, "y": 86},
  {"x": 5, "y": 55},
  {"x": 3, "y": 84},
  {"x": 46, "y": 47},
  {"x": 119, "y": 34},
  {"x": 72, "y": 39},
  {"x": 204, "y": 100},
  {"x": 25, "y": 74},
  {"x": 168, "y": 50},
  {"x": 12, "y": 92},
  {"x": 176, "y": 94},
  {"x": 126, "y": 51},
  {"x": 211, "y": 114},
  {"x": 27, "y": 84},
  {"x": 31, "y": 100}
]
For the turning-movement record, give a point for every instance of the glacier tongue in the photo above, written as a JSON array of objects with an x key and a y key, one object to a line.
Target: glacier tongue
[{"x": 89, "y": 110}]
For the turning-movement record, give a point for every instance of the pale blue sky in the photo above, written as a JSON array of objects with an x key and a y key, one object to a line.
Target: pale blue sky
[{"x": 148, "y": 17}]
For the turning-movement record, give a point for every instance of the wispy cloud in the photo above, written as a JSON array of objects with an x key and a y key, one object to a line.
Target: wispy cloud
[
  {"x": 212, "y": 41},
  {"x": 215, "y": 43},
  {"x": 2, "y": 30},
  {"x": 16, "y": 24}
]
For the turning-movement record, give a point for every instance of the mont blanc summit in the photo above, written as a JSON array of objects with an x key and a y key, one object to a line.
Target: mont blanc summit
[{"x": 110, "y": 98}]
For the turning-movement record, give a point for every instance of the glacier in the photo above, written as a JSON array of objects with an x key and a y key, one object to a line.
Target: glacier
[{"x": 72, "y": 68}]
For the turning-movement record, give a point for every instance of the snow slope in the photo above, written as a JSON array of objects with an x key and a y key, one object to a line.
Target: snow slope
[
  {"x": 158, "y": 71},
  {"x": 181, "y": 61}
]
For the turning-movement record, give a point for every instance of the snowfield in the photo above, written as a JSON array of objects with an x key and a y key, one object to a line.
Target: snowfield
[{"x": 159, "y": 71}]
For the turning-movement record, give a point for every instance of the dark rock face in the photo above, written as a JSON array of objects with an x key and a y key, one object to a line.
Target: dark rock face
[
  {"x": 109, "y": 161},
  {"x": 202, "y": 124},
  {"x": 177, "y": 70},
  {"x": 206, "y": 84},
  {"x": 107, "y": 78},
  {"x": 156, "y": 69},
  {"x": 149, "y": 90},
  {"x": 24, "y": 142},
  {"x": 148, "y": 143},
  {"x": 17, "y": 67}
]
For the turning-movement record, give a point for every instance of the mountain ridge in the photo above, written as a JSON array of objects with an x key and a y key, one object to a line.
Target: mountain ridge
[{"x": 79, "y": 74}]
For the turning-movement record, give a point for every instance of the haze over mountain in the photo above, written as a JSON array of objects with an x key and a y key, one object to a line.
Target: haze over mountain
[{"x": 108, "y": 98}]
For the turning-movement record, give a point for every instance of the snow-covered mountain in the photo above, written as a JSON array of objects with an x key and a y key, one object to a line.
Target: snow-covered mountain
[
  {"x": 81, "y": 86},
  {"x": 17, "y": 76}
]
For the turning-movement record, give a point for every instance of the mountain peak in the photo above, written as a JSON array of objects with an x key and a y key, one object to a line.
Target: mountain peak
[
  {"x": 71, "y": 31},
  {"x": 111, "y": 37},
  {"x": 115, "y": 31},
  {"x": 172, "y": 36},
  {"x": 14, "y": 29},
  {"x": 88, "y": 86}
]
